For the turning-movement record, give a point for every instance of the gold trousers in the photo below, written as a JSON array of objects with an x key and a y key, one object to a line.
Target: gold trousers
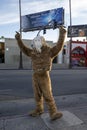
[{"x": 43, "y": 90}]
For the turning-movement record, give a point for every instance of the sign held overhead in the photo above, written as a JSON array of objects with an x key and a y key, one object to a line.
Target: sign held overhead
[{"x": 43, "y": 20}]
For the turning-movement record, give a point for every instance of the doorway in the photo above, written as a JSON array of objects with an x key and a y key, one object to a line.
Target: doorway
[
  {"x": 78, "y": 57},
  {"x": 2, "y": 50}
]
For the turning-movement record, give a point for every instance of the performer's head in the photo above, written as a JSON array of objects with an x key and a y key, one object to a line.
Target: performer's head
[{"x": 38, "y": 42}]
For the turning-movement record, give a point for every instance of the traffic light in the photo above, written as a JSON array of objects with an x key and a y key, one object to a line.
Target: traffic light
[
  {"x": 44, "y": 31},
  {"x": 64, "y": 51},
  {"x": 55, "y": 25}
]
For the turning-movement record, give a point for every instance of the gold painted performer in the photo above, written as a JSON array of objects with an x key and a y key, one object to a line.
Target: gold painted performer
[{"x": 42, "y": 56}]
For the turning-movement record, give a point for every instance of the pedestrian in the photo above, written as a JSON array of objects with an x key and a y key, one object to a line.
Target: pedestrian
[{"x": 42, "y": 56}]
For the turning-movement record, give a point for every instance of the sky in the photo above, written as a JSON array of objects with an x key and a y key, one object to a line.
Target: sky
[{"x": 10, "y": 21}]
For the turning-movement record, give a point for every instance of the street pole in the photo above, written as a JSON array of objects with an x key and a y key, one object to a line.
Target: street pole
[
  {"x": 20, "y": 60},
  {"x": 70, "y": 49}
]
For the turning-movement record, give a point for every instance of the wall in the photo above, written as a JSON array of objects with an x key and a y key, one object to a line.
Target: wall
[{"x": 12, "y": 53}]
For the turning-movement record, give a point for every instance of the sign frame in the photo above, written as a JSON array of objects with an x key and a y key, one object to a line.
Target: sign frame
[
  {"x": 77, "y": 31},
  {"x": 43, "y": 20}
]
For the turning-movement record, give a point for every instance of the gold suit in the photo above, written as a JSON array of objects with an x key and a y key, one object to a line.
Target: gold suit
[{"x": 41, "y": 64}]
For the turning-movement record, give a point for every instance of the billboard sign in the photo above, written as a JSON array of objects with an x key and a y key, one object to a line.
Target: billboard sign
[
  {"x": 77, "y": 31},
  {"x": 43, "y": 20}
]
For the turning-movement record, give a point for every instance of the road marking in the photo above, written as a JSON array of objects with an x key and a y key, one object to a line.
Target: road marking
[{"x": 5, "y": 90}]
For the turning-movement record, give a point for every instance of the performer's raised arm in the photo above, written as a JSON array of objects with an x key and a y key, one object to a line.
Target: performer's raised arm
[
  {"x": 21, "y": 45},
  {"x": 57, "y": 48}
]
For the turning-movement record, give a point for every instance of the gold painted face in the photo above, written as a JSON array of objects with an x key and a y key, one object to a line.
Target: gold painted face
[
  {"x": 43, "y": 41},
  {"x": 38, "y": 42}
]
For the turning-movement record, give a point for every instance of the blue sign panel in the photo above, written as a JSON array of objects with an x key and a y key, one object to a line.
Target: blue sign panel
[{"x": 43, "y": 20}]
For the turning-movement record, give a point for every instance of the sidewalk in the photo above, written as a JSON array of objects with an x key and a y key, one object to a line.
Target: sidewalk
[
  {"x": 14, "y": 114},
  {"x": 54, "y": 66}
]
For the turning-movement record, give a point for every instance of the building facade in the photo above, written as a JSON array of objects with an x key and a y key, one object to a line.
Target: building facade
[
  {"x": 10, "y": 54},
  {"x": 78, "y": 53}
]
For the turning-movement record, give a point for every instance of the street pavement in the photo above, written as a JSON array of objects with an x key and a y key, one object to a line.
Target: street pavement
[{"x": 14, "y": 114}]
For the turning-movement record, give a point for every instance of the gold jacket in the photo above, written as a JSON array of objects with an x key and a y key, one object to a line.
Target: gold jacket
[{"x": 43, "y": 60}]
